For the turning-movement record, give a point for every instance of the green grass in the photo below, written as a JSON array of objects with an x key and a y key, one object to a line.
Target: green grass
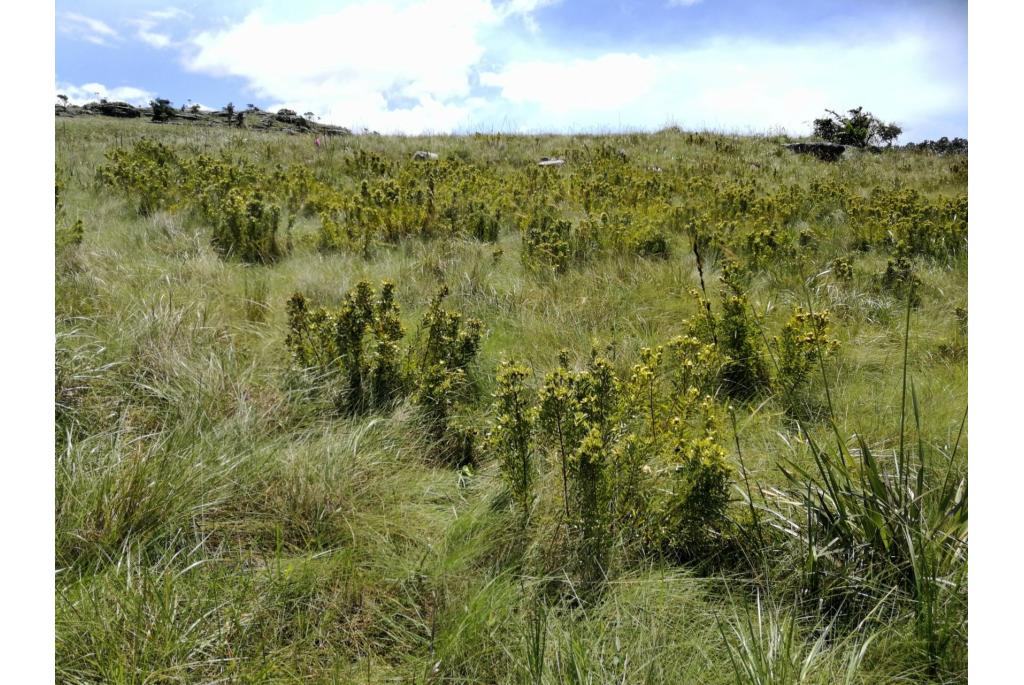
[{"x": 215, "y": 522}]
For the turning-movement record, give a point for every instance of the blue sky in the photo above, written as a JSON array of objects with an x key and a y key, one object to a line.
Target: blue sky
[{"x": 417, "y": 66}]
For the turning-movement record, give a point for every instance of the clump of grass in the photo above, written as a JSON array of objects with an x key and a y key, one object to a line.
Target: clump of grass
[
  {"x": 767, "y": 647},
  {"x": 866, "y": 525}
]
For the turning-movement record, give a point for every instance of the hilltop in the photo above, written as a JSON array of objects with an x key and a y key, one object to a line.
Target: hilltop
[{"x": 282, "y": 121}]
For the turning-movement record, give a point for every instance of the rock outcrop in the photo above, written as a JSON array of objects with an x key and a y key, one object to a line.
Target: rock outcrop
[
  {"x": 114, "y": 109},
  {"x": 287, "y": 116},
  {"x": 827, "y": 152}
]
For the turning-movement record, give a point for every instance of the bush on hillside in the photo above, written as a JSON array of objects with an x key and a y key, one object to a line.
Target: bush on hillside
[{"x": 857, "y": 128}]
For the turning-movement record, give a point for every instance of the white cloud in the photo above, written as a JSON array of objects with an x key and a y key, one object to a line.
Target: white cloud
[
  {"x": 682, "y": 3},
  {"x": 397, "y": 65},
  {"x": 729, "y": 85},
  {"x": 168, "y": 13},
  {"x": 151, "y": 20},
  {"x": 157, "y": 40},
  {"x": 610, "y": 81},
  {"x": 444, "y": 65},
  {"x": 93, "y": 92},
  {"x": 86, "y": 28}
]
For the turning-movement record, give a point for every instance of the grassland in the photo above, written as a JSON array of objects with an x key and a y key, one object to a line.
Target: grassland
[{"x": 222, "y": 517}]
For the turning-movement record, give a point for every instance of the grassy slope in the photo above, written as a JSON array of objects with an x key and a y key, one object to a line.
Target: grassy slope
[{"x": 211, "y": 524}]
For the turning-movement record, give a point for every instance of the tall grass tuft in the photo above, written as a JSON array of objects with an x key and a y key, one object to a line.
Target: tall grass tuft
[{"x": 866, "y": 523}]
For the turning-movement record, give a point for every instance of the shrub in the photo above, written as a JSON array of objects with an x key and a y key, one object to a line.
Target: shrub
[
  {"x": 355, "y": 348},
  {"x": 511, "y": 435},
  {"x": 590, "y": 492},
  {"x": 803, "y": 339},
  {"x": 310, "y": 337},
  {"x": 162, "y": 109},
  {"x": 436, "y": 393},
  {"x": 842, "y": 269},
  {"x": 767, "y": 245},
  {"x": 149, "y": 171},
  {"x": 745, "y": 373},
  {"x": 700, "y": 480},
  {"x": 559, "y": 407},
  {"x": 857, "y": 128},
  {"x": 441, "y": 365},
  {"x": 354, "y": 319},
  {"x": 941, "y": 146},
  {"x": 546, "y": 244},
  {"x": 247, "y": 227},
  {"x": 899, "y": 277},
  {"x": 71, "y": 236},
  {"x": 386, "y": 375},
  {"x": 693, "y": 369},
  {"x": 451, "y": 340},
  {"x": 597, "y": 393},
  {"x": 647, "y": 241},
  {"x": 355, "y": 353}
]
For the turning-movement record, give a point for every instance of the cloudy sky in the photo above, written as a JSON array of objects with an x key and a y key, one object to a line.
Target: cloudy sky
[{"x": 459, "y": 66}]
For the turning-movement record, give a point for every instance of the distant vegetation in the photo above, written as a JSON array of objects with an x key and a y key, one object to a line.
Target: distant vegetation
[
  {"x": 162, "y": 109},
  {"x": 684, "y": 408}
]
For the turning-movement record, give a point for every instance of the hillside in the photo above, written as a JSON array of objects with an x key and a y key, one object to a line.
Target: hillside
[
  {"x": 282, "y": 121},
  {"x": 684, "y": 408}
]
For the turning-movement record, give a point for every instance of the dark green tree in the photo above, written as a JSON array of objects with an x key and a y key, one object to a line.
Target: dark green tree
[
  {"x": 162, "y": 109},
  {"x": 857, "y": 128}
]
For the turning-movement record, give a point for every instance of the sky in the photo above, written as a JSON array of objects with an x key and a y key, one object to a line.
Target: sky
[{"x": 461, "y": 66}]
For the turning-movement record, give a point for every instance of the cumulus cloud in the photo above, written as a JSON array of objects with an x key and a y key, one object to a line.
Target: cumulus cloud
[
  {"x": 726, "y": 85},
  {"x": 146, "y": 25},
  {"x": 156, "y": 40},
  {"x": 683, "y": 3},
  {"x": 168, "y": 13},
  {"x": 92, "y": 92},
  {"x": 607, "y": 82},
  {"x": 416, "y": 66},
  {"x": 385, "y": 65},
  {"x": 86, "y": 28}
]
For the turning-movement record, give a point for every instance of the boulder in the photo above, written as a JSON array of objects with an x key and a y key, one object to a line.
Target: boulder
[
  {"x": 547, "y": 161},
  {"x": 114, "y": 109},
  {"x": 287, "y": 116},
  {"x": 424, "y": 155},
  {"x": 828, "y": 152},
  {"x": 328, "y": 130}
]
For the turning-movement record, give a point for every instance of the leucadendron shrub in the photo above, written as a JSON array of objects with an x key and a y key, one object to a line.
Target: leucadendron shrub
[
  {"x": 636, "y": 459},
  {"x": 149, "y": 171},
  {"x": 355, "y": 352},
  {"x": 746, "y": 371},
  {"x": 803, "y": 341},
  {"x": 246, "y": 227},
  {"x": 447, "y": 345},
  {"x": 700, "y": 476},
  {"x": 511, "y": 434}
]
